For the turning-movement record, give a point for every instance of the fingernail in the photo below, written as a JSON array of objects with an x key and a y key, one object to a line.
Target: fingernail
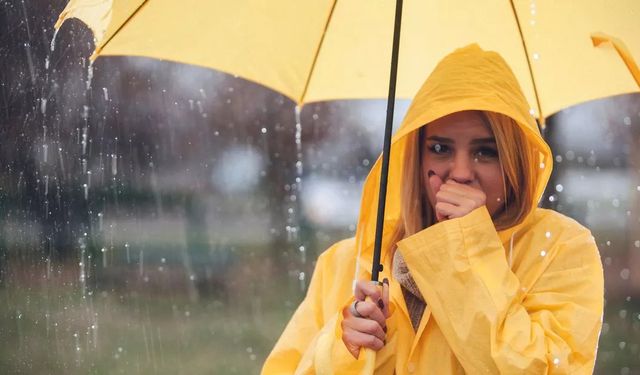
[
  {"x": 385, "y": 281},
  {"x": 430, "y": 173},
  {"x": 380, "y": 304}
]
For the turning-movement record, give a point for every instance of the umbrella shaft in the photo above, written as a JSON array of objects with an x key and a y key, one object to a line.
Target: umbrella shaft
[{"x": 386, "y": 150}]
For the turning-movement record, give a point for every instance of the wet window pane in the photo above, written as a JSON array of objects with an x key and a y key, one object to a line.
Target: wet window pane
[{"x": 163, "y": 218}]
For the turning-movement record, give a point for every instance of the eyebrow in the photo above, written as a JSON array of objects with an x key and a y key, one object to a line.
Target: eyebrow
[{"x": 473, "y": 141}]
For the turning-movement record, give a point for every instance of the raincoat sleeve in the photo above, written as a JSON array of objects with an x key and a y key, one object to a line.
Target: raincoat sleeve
[
  {"x": 312, "y": 340},
  {"x": 492, "y": 322}
]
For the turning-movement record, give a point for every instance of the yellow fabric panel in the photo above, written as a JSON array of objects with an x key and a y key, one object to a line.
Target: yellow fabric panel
[{"x": 568, "y": 68}]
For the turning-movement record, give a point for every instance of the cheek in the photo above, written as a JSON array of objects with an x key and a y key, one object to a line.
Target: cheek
[{"x": 492, "y": 183}]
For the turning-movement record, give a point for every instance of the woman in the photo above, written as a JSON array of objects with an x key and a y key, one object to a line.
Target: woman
[{"x": 478, "y": 279}]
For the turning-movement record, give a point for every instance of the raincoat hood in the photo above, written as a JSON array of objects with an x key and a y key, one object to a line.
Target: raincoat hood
[{"x": 467, "y": 79}]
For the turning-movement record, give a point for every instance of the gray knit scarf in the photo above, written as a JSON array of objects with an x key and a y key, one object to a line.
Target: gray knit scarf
[{"x": 412, "y": 296}]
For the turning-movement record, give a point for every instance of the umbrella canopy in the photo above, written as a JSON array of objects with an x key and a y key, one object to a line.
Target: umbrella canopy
[{"x": 562, "y": 53}]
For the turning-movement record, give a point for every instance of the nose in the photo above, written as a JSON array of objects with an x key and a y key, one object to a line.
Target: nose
[{"x": 462, "y": 169}]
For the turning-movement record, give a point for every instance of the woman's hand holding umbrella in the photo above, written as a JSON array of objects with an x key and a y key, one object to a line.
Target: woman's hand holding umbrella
[{"x": 364, "y": 323}]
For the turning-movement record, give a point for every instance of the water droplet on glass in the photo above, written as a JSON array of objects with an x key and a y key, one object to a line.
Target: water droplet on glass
[{"x": 627, "y": 120}]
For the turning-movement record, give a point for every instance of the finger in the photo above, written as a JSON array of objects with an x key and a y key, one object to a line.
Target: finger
[
  {"x": 372, "y": 311},
  {"x": 358, "y": 339},
  {"x": 364, "y": 325},
  {"x": 464, "y": 190},
  {"x": 448, "y": 211},
  {"x": 385, "y": 297},
  {"x": 435, "y": 182},
  {"x": 455, "y": 198},
  {"x": 365, "y": 288}
]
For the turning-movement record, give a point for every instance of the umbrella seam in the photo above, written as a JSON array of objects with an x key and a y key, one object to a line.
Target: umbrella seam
[
  {"x": 526, "y": 52},
  {"x": 315, "y": 57}
]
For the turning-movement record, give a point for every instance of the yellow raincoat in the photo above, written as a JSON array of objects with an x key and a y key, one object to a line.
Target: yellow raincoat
[{"x": 526, "y": 300}]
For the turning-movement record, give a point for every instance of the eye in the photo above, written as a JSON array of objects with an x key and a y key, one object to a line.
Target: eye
[
  {"x": 487, "y": 153},
  {"x": 438, "y": 148}
]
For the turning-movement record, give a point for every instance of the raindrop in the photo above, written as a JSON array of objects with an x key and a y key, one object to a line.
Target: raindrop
[
  {"x": 45, "y": 153},
  {"x": 624, "y": 274},
  {"x": 542, "y": 165},
  {"x": 559, "y": 158},
  {"x": 559, "y": 188},
  {"x": 556, "y": 361},
  {"x": 627, "y": 120},
  {"x": 547, "y": 234},
  {"x": 570, "y": 155},
  {"x": 315, "y": 116},
  {"x": 552, "y": 198},
  {"x": 365, "y": 162},
  {"x": 89, "y": 75},
  {"x": 608, "y": 243},
  {"x": 543, "y": 253},
  {"x": 637, "y": 243},
  {"x": 114, "y": 164},
  {"x": 616, "y": 202},
  {"x": 43, "y": 105},
  {"x": 536, "y": 56},
  {"x": 532, "y": 112},
  {"x": 264, "y": 130},
  {"x": 622, "y": 314},
  {"x": 106, "y": 94},
  {"x": 622, "y": 345},
  {"x": 85, "y": 187}
]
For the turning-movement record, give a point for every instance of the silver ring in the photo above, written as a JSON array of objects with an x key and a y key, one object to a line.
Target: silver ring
[{"x": 353, "y": 308}]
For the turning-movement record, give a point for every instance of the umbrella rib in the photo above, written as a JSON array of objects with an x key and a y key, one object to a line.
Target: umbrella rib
[
  {"x": 526, "y": 52},
  {"x": 315, "y": 57}
]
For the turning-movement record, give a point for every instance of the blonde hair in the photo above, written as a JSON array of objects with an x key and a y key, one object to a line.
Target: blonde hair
[{"x": 517, "y": 162}]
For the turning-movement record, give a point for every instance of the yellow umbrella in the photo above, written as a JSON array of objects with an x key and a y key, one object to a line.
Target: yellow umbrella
[{"x": 562, "y": 52}]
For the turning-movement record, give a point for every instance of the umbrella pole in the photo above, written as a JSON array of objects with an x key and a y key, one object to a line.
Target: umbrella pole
[{"x": 386, "y": 150}]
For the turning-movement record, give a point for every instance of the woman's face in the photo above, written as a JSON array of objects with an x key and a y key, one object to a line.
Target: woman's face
[{"x": 462, "y": 148}]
